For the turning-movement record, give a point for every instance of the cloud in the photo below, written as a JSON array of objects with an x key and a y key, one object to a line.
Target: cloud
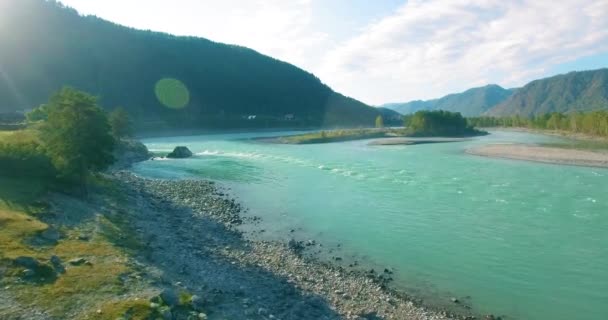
[
  {"x": 430, "y": 48},
  {"x": 282, "y": 29}
]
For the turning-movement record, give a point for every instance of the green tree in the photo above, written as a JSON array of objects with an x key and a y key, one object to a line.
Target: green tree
[
  {"x": 120, "y": 123},
  {"x": 38, "y": 114},
  {"x": 379, "y": 122},
  {"x": 77, "y": 135}
]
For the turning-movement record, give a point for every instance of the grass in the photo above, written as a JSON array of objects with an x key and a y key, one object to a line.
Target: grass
[
  {"x": 74, "y": 288},
  {"x": 129, "y": 309},
  {"x": 19, "y": 136},
  {"x": 79, "y": 287},
  {"x": 342, "y": 135}
]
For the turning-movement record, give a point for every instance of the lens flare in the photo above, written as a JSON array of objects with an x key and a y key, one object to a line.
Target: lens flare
[{"x": 172, "y": 93}]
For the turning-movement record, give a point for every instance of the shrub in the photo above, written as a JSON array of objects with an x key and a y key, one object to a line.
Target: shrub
[{"x": 25, "y": 159}]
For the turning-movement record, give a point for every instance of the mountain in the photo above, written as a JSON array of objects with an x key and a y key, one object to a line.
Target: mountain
[
  {"x": 409, "y": 107},
  {"x": 390, "y": 116},
  {"x": 45, "y": 45},
  {"x": 472, "y": 102},
  {"x": 574, "y": 91}
]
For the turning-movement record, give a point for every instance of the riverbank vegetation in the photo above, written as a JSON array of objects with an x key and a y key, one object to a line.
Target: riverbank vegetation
[
  {"x": 439, "y": 123},
  {"x": 421, "y": 124},
  {"x": 62, "y": 255},
  {"x": 66, "y": 140},
  {"x": 588, "y": 123}
]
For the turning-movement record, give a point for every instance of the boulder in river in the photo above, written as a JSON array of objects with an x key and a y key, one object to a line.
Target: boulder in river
[{"x": 180, "y": 152}]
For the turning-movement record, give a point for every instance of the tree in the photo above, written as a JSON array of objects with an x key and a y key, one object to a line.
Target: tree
[
  {"x": 379, "y": 122},
  {"x": 38, "y": 114},
  {"x": 77, "y": 135},
  {"x": 120, "y": 123}
]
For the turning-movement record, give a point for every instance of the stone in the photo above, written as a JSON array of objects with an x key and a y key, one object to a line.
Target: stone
[
  {"x": 197, "y": 303},
  {"x": 169, "y": 297},
  {"x": 57, "y": 264},
  {"x": 262, "y": 311},
  {"x": 454, "y": 299},
  {"x": 27, "y": 262},
  {"x": 28, "y": 273},
  {"x": 165, "y": 312},
  {"x": 77, "y": 261},
  {"x": 180, "y": 152},
  {"x": 50, "y": 234}
]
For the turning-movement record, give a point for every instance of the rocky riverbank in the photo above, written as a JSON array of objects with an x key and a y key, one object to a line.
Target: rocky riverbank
[{"x": 190, "y": 230}]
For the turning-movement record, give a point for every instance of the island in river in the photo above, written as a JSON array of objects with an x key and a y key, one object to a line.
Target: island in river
[{"x": 422, "y": 124}]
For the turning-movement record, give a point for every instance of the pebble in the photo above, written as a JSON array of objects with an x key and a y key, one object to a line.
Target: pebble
[{"x": 351, "y": 292}]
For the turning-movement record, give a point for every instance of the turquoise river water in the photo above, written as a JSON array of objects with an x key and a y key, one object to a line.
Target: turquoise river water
[{"x": 514, "y": 238}]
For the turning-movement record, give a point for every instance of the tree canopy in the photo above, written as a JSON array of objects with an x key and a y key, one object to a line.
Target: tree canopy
[
  {"x": 592, "y": 123},
  {"x": 379, "y": 122},
  {"x": 438, "y": 123},
  {"x": 77, "y": 135},
  {"x": 120, "y": 123}
]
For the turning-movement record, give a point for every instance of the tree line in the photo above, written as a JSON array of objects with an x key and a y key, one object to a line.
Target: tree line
[
  {"x": 66, "y": 140},
  {"x": 593, "y": 123},
  {"x": 438, "y": 123}
]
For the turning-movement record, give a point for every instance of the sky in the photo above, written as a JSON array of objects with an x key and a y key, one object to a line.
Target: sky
[{"x": 391, "y": 50}]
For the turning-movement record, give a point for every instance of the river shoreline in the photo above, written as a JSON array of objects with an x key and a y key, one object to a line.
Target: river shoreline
[
  {"x": 305, "y": 287},
  {"x": 535, "y": 153},
  {"x": 414, "y": 141}
]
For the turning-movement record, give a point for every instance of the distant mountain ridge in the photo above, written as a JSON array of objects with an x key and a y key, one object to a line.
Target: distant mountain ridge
[
  {"x": 470, "y": 103},
  {"x": 45, "y": 45},
  {"x": 574, "y": 91}
]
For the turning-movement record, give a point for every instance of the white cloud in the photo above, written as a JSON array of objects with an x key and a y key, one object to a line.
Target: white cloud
[{"x": 430, "y": 48}]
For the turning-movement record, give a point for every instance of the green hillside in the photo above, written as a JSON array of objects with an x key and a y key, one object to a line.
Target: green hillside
[
  {"x": 472, "y": 102},
  {"x": 574, "y": 91},
  {"x": 44, "y": 46}
]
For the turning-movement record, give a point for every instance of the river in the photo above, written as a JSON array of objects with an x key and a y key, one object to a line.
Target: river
[{"x": 514, "y": 238}]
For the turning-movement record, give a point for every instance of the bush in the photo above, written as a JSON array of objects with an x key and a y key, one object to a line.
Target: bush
[{"x": 25, "y": 159}]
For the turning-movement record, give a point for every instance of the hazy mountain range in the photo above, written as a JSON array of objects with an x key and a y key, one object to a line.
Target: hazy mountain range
[
  {"x": 472, "y": 102},
  {"x": 574, "y": 91}
]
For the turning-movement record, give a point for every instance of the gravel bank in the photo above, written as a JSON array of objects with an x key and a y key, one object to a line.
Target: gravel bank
[
  {"x": 190, "y": 229},
  {"x": 543, "y": 154},
  {"x": 411, "y": 141}
]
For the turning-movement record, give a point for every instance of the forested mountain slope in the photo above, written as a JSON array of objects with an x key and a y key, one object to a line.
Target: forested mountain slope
[
  {"x": 44, "y": 46},
  {"x": 472, "y": 102},
  {"x": 574, "y": 91}
]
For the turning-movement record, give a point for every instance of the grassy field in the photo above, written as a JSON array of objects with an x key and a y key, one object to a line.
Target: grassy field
[
  {"x": 341, "y": 135},
  {"x": 17, "y": 136}
]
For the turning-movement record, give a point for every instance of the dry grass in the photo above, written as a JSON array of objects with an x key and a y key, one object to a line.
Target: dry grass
[
  {"x": 81, "y": 286},
  {"x": 129, "y": 309},
  {"x": 15, "y": 228},
  {"x": 19, "y": 136}
]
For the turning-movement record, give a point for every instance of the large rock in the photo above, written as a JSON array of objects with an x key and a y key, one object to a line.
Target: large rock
[
  {"x": 27, "y": 262},
  {"x": 169, "y": 297},
  {"x": 180, "y": 152},
  {"x": 128, "y": 152}
]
